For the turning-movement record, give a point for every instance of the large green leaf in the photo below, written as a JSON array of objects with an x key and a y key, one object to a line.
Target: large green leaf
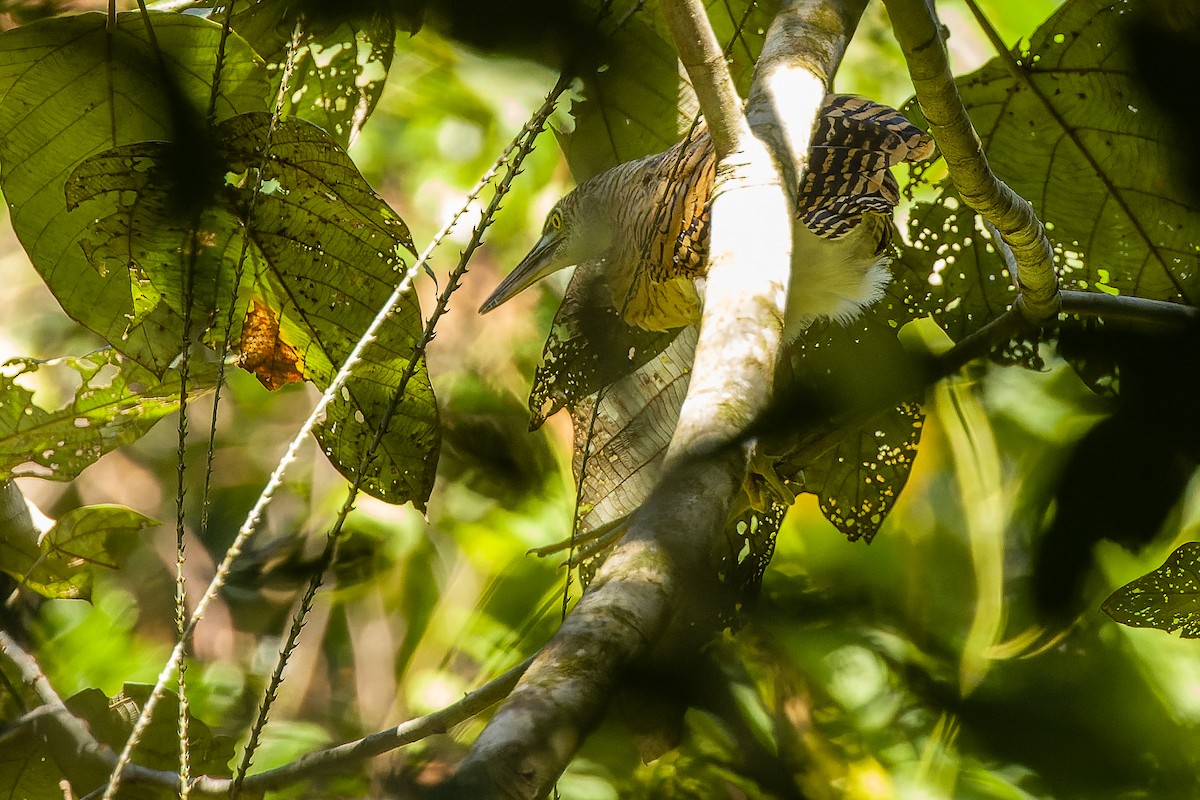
[
  {"x": 848, "y": 372},
  {"x": 637, "y": 102},
  {"x": 61, "y": 562},
  {"x": 1167, "y": 598},
  {"x": 110, "y": 721},
  {"x": 70, "y": 88},
  {"x": 117, "y": 401},
  {"x": 340, "y": 62},
  {"x": 590, "y": 346},
  {"x": 27, "y": 771},
  {"x": 1081, "y": 141},
  {"x": 324, "y": 252}
]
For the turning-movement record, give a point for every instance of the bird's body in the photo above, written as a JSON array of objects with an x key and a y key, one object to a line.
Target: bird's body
[{"x": 645, "y": 223}]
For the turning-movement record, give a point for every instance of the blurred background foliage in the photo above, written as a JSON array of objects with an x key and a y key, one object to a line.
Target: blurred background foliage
[{"x": 913, "y": 668}]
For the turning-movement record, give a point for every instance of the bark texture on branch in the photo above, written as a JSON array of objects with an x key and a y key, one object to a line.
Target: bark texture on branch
[
  {"x": 657, "y": 596},
  {"x": 920, "y": 36}
]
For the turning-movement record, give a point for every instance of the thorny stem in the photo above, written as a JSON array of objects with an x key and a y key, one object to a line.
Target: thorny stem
[
  {"x": 54, "y": 712},
  {"x": 512, "y": 157}
]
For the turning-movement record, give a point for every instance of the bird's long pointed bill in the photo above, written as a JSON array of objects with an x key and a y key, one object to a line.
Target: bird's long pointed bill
[{"x": 535, "y": 266}]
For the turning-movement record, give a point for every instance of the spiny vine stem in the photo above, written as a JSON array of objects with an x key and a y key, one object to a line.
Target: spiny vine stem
[
  {"x": 54, "y": 711},
  {"x": 178, "y": 654},
  {"x": 512, "y": 158}
]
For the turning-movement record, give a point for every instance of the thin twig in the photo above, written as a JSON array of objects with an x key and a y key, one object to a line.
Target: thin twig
[{"x": 54, "y": 711}]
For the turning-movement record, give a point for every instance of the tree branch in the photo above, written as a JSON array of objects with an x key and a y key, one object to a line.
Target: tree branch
[
  {"x": 923, "y": 372},
  {"x": 73, "y": 747},
  {"x": 702, "y": 57},
  {"x": 657, "y": 598},
  {"x": 71, "y": 736},
  {"x": 920, "y": 37},
  {"x": 333, "y": 758}
]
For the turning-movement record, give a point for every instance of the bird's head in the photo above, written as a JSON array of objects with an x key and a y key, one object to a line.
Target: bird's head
[{"x": 573, "y": 233}]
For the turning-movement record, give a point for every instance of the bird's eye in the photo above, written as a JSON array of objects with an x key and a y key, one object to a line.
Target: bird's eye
[{"x": 555, "y": 221}]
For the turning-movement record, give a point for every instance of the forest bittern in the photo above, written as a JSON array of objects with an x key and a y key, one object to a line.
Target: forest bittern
[{"x": 648, "y": 222}]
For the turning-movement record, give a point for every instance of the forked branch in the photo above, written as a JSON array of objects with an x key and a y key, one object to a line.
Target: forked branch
[{"x": 657, "y": 597}]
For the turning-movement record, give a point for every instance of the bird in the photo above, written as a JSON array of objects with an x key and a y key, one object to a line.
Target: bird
[{"x": 645, "y": 223}]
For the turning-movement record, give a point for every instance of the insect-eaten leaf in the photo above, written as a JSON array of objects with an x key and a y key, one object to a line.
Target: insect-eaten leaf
[
  {"x": 339, "y": 54},
  {"x": 61, "y": 562},
  {"x": 1078, "y": 137},
  {"x": 121, "y": 89},
  {"x": 590, "y": 346},
  {"x": 859, "y": 481},
  {"x": 315, "y": 253},
  {"x": 116, "y": 402},
  {"x": 845, "y": 374},
  {"x": 1167, "y": 598}
]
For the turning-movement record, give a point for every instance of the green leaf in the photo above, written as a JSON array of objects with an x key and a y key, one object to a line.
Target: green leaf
[
  {"x": 340, "y": 62},
  {"x": 111, "y": 720},
  {"x": 331, "y": 252},
  {"x": 324, "y": 254},
  {"x": 61, "y": 562},
  {"x": 117, "y": 402},
  {"x": 637, "y": 103},
  {"x": 1167, "y": 598},
  {"x": 69, "y": 89},
  {"x": 842, "y": 372},
  {"x": 27, "y": 771},
  {"x": 589, "y": 347},
  {"x": 1091, "y": 153},
  {"x": 859, "y": 481}
]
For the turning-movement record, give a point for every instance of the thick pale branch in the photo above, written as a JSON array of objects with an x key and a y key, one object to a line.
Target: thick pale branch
[
  {"x": 702, "y": 57},
  {"x": 752, "y": 211},
  {"x": 920, "y": 37},
  {"x": 657, "y": 596},
  {"x": 804, "y": 46},
  {"x": 740, "y": 331}
]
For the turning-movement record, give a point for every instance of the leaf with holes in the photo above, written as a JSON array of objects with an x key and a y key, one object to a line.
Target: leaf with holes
[
  {"x": 859, "y": 481},
  {"x": 638, "y": 102},
  {"x": 843, "y": 374},
  {"x": 62, "y": 562},
  {"x": 323, "y": 253},
  {"x": 1083, "y": 143},
  {"x": 72, "y": 89},
  {"x": 590, "y": 346},
  {"x": 1167, "y": 598},
  {"x": 340, "y": 63},
  {"x": 116, "y": 402}
]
